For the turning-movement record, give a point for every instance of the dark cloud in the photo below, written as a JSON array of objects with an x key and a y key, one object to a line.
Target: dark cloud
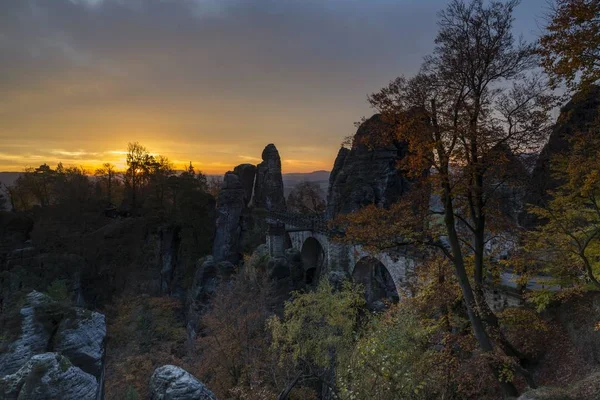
[{"x": 216, "y": 74}]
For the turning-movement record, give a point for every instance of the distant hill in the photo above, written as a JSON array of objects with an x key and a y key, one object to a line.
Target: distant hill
[{"x": 292, "y": 179}]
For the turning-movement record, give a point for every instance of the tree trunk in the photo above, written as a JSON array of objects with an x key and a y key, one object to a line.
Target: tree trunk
[
  {"x": 472, "y": 310},
  {"x": 284, "y": 395}
]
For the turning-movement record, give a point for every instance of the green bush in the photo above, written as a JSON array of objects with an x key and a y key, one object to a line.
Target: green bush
[{"x": 59, "y": 291}]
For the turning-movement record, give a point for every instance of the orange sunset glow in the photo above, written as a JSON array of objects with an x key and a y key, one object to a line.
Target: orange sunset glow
[{"x": 212, "y": 84}]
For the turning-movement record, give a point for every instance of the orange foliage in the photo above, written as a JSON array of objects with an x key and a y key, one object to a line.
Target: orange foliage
[{"x": 143, "y": 333}]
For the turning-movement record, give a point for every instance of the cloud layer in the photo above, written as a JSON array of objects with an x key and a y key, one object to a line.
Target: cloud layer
[{"x": 212, "y": 81}]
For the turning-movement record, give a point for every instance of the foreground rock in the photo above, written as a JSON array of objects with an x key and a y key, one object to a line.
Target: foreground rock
[
  {"x": 173, "y": 383},
  {"x": 44, "y": 325},
  {"x": 49, "y": 376}
]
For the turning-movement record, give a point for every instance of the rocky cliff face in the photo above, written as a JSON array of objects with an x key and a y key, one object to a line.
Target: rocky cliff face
[
  {"x": 230, "y": 206},
  {"x": 577, "y": 116},
  {"x": 367, "y": 174},
  {"x": 268, "y": 188},
  {"x": 246, "y": 173},
  {"x": 46, "y": 326}
]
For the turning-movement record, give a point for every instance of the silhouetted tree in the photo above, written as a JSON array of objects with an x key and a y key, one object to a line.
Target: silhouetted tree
[
  {"x": 107, "y": 175},
  {"x": 138, "y": 162}
]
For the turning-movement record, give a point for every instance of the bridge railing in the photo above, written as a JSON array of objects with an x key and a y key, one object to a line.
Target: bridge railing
[{"x": 312, "y": 222}]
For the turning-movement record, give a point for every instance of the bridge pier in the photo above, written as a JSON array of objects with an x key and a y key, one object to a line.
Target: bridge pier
[{"x": 276, "y": 239}]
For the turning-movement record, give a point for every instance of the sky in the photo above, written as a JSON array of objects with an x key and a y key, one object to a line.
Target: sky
[{"x": 207, "y": 81}]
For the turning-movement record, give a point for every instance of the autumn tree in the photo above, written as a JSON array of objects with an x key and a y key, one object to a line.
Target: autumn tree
[
  {"x": 391, "y": 359},
  {"x": 306, "y": 198},
  {"x": 475, "y": 101},
  {"x": 233, "y": 344},
  {"x": 570, "y": 46},
  {"x": 566, "y": 243},
  {"x": 317, "y": 331}
]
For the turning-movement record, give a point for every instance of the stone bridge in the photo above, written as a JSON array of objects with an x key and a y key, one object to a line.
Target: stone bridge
[{"x": 384, "y": 274}]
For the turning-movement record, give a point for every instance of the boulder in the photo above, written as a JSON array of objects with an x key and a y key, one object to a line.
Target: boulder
[
  {"x": 268, "y": 187},
  {"x": 247, "y": 173},
  {"x": 49, "y": 376},
  {"x": 47, "y": 325},
  {"x": 80, "y": 337},
  {"x": 230, "y": 207},
  {"x": 33, "y": 338},
  {"x": 173, "y": 383},
  {"x": 367, "y": 173}
]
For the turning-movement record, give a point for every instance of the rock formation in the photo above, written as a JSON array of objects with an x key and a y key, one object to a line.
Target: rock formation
[
  {"x": 230, "y": 206},
  {"x": 173, "y": 383},
  {"x": 576, "y": 116},
  {"x": 49, "y": 376},
  {"x": 247, "y": 173},
  {"x": 245, "y": 189},
  {"x": 46, "y": 326},
  {"x": 268, "y": 188},
  {"x": 367, "y": 174}
]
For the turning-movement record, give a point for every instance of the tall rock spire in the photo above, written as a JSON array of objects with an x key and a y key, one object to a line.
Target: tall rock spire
[{"x": 268, "y": 187}]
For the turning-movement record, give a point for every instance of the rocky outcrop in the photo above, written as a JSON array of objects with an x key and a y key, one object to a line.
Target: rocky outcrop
[
  {"x": 80, "y": 337},
  {"x": 245, "y": 189},
  {"x": 576, "y": 117},
  {"x": 247, "y": 173},
  {"x": 47, "y": 325},
  {"x": 49, "y": 376},
  {"x": 367, "y": 173},
  {"x": 33, "y": 337},
  {"x": 268, "y": 187},
  {"x": 173, "y": 383},
  {"x": 230, "y": 207}
]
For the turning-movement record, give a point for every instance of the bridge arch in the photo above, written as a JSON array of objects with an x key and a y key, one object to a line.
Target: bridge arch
[
  {"x": 376, "y": 280},
  {"x": 313, "y": 259}
]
